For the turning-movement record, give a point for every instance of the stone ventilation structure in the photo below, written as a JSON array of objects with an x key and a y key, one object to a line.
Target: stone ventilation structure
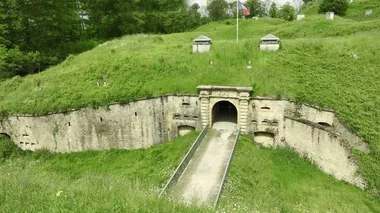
[
  {"x": 308, "y": 130},
  {"x": 270, "y": 43}
]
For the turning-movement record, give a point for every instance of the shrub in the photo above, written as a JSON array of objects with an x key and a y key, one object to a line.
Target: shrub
[
  {"x": 8, "y": 149},
  {"x": 287, "y": 13},
  {"x": 339, "y": 7}
]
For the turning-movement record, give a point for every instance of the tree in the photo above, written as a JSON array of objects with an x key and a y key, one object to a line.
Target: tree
[
  {"x": 339, "y": 7},
  {"x": 217, "y": 9},
  {"x": 256, "y": 7},
  {"x": 286, "y": 12},
  {"x": 273, "y": 10},
  {"x": 267, "y": 4},
  {"x": 297, "y": 5}
]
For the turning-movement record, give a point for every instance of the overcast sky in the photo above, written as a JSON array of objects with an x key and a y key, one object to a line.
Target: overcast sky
[{"x": 203, "y": 3}]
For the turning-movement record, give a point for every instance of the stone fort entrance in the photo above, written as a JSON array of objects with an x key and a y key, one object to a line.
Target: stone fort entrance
[
  {"x": 224, "y": 103},
  {"x": 224, "y": 111}
]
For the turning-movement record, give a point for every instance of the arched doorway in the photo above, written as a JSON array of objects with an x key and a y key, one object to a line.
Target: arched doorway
[
  {"x": 4, "y": 135},
  {"x": 224, "y": 111},
  {"x": 185, "y": 129}
]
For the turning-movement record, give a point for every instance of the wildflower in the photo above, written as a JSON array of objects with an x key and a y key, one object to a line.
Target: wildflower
[{"x": 59, "y": 193}]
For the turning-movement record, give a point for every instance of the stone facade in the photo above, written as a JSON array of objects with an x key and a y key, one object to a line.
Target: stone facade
[
  {"x": 135, "y": 125},
  {"x": 309, "y": 130}
]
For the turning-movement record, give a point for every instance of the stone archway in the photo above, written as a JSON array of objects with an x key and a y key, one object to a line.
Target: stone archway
[
  {"x": 185, "y": 129},
  {"x": 5, "y": 135},
  {"x": 224, "y": 111},
  {"x": 228, "y": 96}
]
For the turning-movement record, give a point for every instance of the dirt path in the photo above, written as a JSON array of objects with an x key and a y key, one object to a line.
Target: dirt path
[{"x": 201, "y": 180}]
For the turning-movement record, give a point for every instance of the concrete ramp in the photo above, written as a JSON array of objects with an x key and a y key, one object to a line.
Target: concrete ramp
[{"x": 201, "y": 182}]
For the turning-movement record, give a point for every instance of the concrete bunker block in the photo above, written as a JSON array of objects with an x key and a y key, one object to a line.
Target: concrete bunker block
[
  {"x": 300, "y": 17},
  {"x": 202, "y": 44},
  {"x": 368, "y": 12},
  {"x": 269, "y": 43},
  {"x": 330, "y": 15}
]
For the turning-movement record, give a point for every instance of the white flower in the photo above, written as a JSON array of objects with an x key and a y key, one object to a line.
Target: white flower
[{"x": 59, "y": 193}]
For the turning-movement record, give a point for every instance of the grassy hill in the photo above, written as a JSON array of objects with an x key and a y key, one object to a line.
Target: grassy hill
[{"x": 315, "y": 65}]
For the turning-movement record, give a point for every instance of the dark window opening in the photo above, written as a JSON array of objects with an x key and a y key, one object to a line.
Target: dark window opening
[
  {"x": 5, "y": 135},
  {"x": 265, "y": 108},
  {"x": 25, "y": 135},
  {"x": 101, "y": 119},
  {"x": 185, "y": 104},
  {"x": 135, "y": 113},
  {"x": 186, "y": 116},
  {"x": 69, "y": 123},
  {"x": 177, "y": 116},
  {"x": 324, "y": 124},
  {"x": 195, "y": 117}
]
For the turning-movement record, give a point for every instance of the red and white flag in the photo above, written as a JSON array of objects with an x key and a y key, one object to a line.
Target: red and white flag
[{"x": 244, "y": 9}]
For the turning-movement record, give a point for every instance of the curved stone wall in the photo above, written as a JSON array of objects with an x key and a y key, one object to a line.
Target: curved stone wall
[
  {"x": 309, "y": 130},
  {"x": 135, "y": 125}
]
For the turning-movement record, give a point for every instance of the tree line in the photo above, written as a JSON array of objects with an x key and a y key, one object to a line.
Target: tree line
[
  {"x": 221, "y": 9},
  {"x": 35, "y": 34}
]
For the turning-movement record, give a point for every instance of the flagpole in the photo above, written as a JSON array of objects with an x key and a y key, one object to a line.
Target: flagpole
[{"x": 237, "y": 21}]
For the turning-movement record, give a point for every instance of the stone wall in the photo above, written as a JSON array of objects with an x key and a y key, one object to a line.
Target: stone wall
[
  {"x": 327, "y": 149},
  {"x": 309, "y": 130},
  {"x": 135, "y": 125}
]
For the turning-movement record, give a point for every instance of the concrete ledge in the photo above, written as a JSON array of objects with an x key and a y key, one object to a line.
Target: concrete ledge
[
  {"x": 227, "y": 168},
  {"x": 229, "y": 88},
  {"x": 182, "y": 166}
]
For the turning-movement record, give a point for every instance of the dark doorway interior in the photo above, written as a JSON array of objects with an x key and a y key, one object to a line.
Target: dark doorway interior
[
  {"x": 224, "y": 111},
  {"x": 5, "y": 135}
]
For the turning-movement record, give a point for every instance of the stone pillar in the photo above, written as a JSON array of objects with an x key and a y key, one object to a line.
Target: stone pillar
[
  {"x": 205, "y": 105},
  {"x": 243, "y": 111}
]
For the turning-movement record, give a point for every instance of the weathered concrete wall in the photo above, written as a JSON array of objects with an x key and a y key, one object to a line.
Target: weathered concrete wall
[
  {"x": 135, "y": 125},
  {"x": 201, "y": 48},
  {"x": 266, "y": 116},
  {"x": 269, "y": 47},
  {"x": 328, "y": 150},
  {"x": 309, "y": 130}
]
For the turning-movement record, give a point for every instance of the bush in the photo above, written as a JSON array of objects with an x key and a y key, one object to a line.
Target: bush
[
  {"x": 8, "y": 149},
  {"x": 287, "y": 13},
  {"x": 339, "y": 7}
]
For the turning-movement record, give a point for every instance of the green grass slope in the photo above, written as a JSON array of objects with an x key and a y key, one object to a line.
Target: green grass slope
[
  {"x": 315, "y": 65},
  {"x": 278, "y": 180},
  {"x": 94, "y": 181},
  {"x": 260, "y": 180},
  {"x": 357, "y": 8}
]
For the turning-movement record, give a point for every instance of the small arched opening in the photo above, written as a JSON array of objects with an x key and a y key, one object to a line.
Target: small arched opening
[
  {"x": 264, "y": 138},
  {"x": 324, "y": 124},
  {"x": 185, "y": 129},
  {"x": 224, "y": 111},
  {"x": 5, "y": 135}
]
